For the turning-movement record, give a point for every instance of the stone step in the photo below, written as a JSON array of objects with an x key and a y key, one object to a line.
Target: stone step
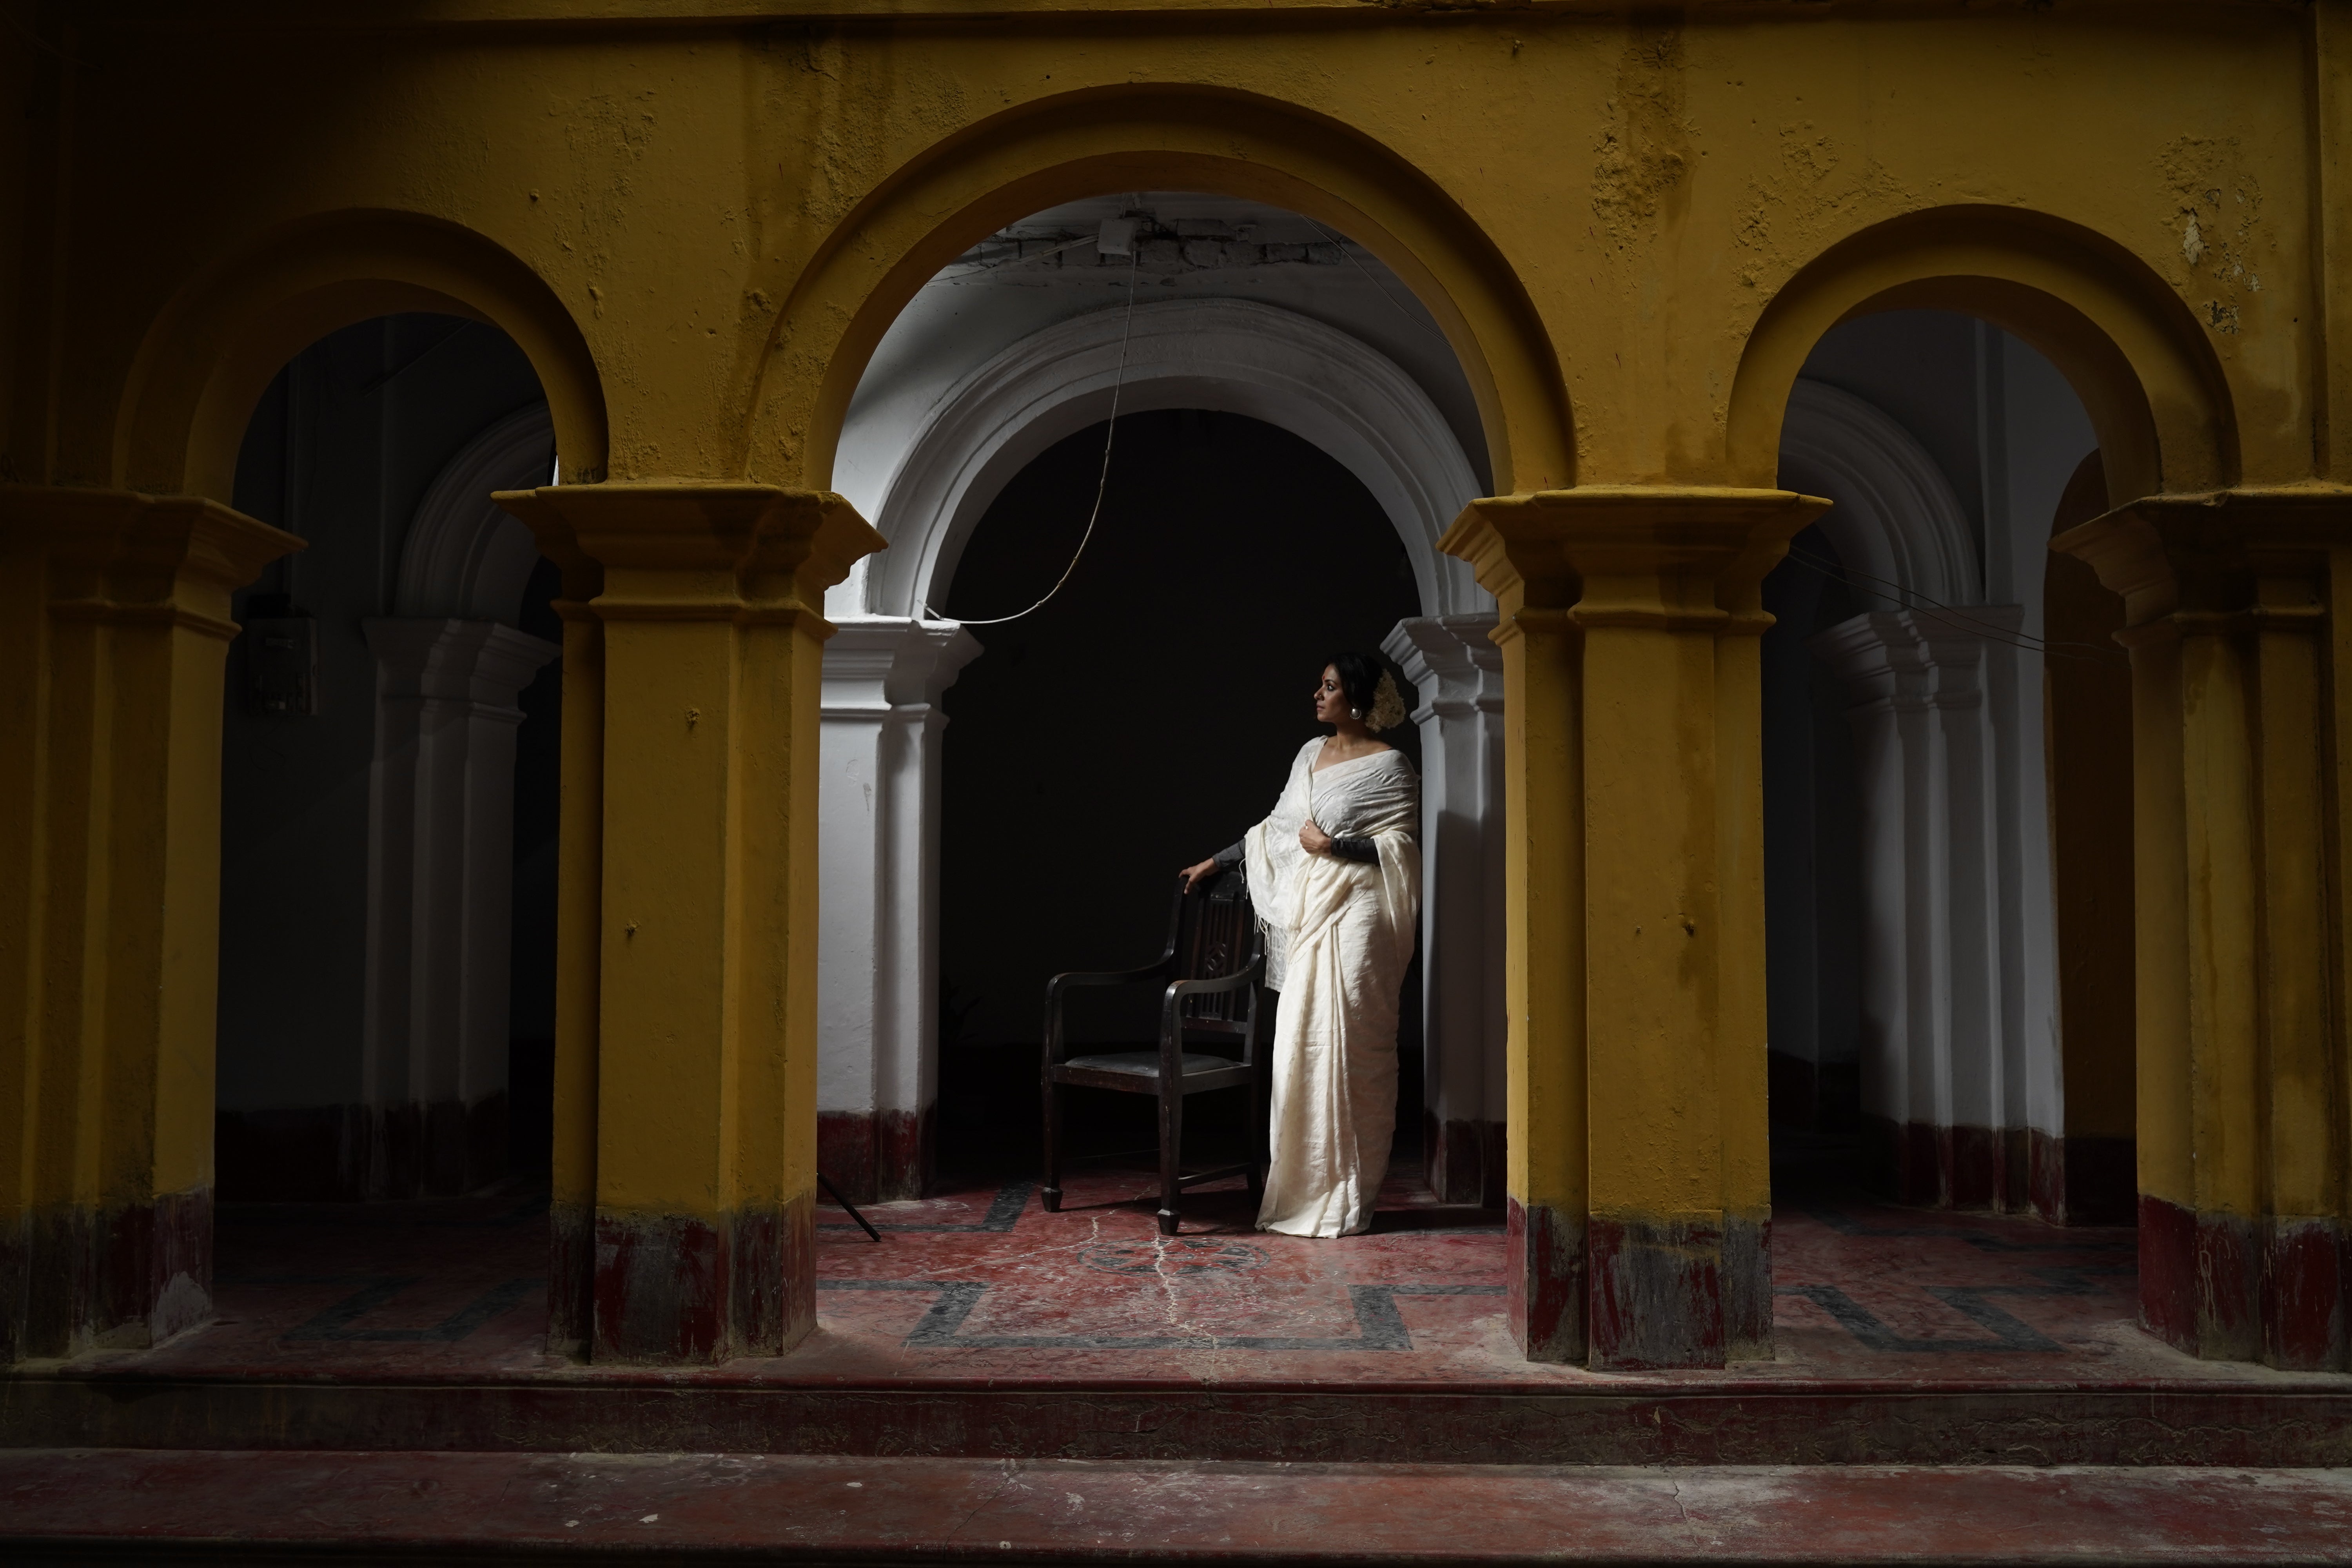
[
  {"x": 2247, "y": 1419},
  {"x": 461, "y": 1507}
]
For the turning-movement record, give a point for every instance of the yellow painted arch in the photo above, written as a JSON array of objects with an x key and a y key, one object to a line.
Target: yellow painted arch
[
  {"x": 2134, "y": 355},
  {"x": 1151, "y": 138},
  {"x": 214, "y": 350}
]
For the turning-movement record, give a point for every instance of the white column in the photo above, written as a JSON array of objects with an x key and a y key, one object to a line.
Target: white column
[
  {"x": 1940, "y": 968},
  {"x": 1458, "y": 673},
  {"x": 2035, "y": 434},
  {"x": 440, "y": 873},
  {"x": 2025, "y": 921},
  {"x": 1977, "y": 1042},
  {"x": 1880, "y": 674},
  {"x": 879, "y": 875}
]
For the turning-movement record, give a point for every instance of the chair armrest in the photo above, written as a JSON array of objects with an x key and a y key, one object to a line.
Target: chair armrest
[
  {"x": 1173, "y": 1000},
  {"x": 1173, "y": 1005},
  {"x": 1060, "y": 983},
  {"x": 1106, "y": 977},
  {"x": 1180, "y": 989}
]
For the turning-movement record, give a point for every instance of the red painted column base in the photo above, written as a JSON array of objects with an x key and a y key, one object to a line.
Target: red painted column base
[
  {"x": 673, "y": 1289},
  {"x": 1629, "y": 1296},
  {"x": 1748, "y": 1287},
  {"x": 571, "y": 1279},
  {"x": 1547, "y": 1281},
  {"x": 1657, "y": 1295},
  {"x": 123, "y": 1277},
  {"x": 1462, "y": 1160},
  {"x": 2084, "y": 1180},
  {"x": 2227, "y": 1287},
  {"x": 2306, "y": 1277},
  {"x": 876, "y": 1156}
]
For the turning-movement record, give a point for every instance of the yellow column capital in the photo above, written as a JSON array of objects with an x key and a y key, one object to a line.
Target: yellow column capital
[
  {"x": 665, "y": 550},
  {"x": 124, "y": 549},
  {"x": 1672, "y": 556},
  {"x": 2201, "y": 553}
]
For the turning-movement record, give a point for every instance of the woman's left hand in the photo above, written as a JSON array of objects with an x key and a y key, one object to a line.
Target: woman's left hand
[{"x": 1313, "y": 839}]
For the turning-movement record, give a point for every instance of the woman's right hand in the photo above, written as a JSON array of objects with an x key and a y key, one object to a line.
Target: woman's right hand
[{"x": 1195, "y": 875}]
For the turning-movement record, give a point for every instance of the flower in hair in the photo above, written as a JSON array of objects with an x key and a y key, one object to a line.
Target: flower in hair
[{"x": 1388, "y": 705}]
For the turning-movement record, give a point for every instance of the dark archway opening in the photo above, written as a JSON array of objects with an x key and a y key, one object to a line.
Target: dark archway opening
[
  {"x": 531, "y": 982},
  {"x": 324, "y": 1091},
  {"x": 1812, "y": 894},
  {"x": 1142, "y": 720}
]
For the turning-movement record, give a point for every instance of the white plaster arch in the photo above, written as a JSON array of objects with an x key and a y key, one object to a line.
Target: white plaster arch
[
  {"x": 1896, "y": 518},
  {"x": 1231, "y": 356},
  {"x": 465, "y": 558}
]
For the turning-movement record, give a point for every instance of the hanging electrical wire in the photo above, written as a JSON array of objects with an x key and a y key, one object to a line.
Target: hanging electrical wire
[
  {"x": 1102, "y": 480},
  {"x": 1936, "y": 610}
]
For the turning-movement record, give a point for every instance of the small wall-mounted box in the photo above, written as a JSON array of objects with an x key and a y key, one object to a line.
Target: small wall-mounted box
[{"x": 282, "y": 665}]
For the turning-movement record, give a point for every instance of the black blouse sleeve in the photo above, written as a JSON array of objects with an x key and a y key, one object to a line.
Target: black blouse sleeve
[{"x": 1359, "y": 850}]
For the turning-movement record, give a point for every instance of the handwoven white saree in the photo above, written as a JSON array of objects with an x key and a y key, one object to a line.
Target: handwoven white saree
[{"x": 1339, "y": 935}]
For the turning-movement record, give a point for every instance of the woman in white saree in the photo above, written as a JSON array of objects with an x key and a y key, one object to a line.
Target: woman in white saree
[{"x": 1335, "y": 876}]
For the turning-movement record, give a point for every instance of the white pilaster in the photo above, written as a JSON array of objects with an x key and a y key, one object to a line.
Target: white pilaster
[
  {"x": 877, "y": 977},
  {"x": 1458, "y": 673},
  {"x": 1945, "y": 877},
  {"x": 440, "y": 871}
]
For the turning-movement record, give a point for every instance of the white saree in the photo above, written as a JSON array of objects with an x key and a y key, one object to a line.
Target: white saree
[{"x": 1339, "y": 936}]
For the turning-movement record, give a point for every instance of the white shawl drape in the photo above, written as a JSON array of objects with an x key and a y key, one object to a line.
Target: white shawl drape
[{"x": 1339, "y": 936}]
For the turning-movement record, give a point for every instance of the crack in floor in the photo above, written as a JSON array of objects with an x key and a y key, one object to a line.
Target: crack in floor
[{"x": 1006, "y": 1477}]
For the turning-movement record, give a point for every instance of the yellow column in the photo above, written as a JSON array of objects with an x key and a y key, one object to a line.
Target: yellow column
[
  {"x": 2241, "y": 669},
  {"x": 579, "y": 937},
  {"x": 113, "y": 627},
  {"x": 1636, "y": 914},
  {"x": 1543, "y": 908},
  {"x": 704, "y": 1039}
]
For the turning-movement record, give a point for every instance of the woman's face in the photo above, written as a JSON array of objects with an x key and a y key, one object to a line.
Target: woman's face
[{"x": 1330, "y": 698}]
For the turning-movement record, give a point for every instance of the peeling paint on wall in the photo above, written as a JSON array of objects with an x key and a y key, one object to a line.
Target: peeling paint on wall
[
  {"x": 1643, "y": 155},
  {"x": 2216, "y": 207}
]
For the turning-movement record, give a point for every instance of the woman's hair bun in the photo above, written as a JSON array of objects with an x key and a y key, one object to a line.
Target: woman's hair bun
[{"x": 1371, "y": 689}]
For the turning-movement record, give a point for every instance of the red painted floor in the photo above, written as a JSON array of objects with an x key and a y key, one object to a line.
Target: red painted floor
[
  {"x": 985, "y": 1284},
  {"x": 456, "y": 1508},
  {"x": 982, "y": 1328},
  {"x": 991, "y": 1381}
]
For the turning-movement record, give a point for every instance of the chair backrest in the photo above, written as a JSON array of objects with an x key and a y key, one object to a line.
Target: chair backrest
[{"x": 1216, "y": 935}]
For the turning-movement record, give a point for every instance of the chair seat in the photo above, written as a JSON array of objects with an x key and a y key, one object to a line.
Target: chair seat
[
  {"x": 1213, "y": 940},
  {"x": 1146, "y": 1064}
]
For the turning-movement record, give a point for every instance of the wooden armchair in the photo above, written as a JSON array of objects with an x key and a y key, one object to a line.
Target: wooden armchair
[{"x": 1212, "y": 969}]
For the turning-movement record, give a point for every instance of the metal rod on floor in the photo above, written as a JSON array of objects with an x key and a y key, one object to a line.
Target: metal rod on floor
[{"x": 834, "y": 1193}]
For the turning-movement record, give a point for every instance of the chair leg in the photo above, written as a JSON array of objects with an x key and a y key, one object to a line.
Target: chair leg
[
  {"x": 1051, "y": 1194},
  {"x": 1172, "y": 1155}
]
